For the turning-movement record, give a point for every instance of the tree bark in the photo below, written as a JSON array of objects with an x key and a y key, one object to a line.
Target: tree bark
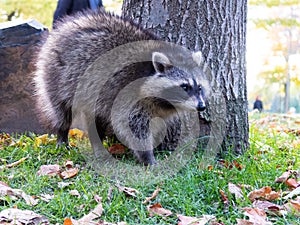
[{"x": 218, "y": 29}]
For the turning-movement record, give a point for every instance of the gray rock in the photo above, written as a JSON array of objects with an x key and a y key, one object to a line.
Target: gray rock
[{"x": 18, "y": 46}]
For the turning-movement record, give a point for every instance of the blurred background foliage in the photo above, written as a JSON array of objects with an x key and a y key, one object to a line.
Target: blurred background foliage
[{"x": 40, "y": 10}]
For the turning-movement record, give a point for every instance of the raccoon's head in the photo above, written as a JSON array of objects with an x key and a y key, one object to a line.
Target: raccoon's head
[{"x": 182, "y": 86}]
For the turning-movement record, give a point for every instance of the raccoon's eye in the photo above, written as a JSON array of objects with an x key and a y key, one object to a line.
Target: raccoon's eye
[
  {"x": 186, "y": 87},
  {"x": 199, "y": 88}
]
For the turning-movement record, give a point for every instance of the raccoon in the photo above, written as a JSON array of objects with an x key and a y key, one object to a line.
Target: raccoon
[{"x": 121, "y": 78}]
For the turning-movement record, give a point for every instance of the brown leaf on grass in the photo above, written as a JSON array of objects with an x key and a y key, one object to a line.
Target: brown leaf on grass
[
  {"x": 8, "y": 191},
  {"x": 46, "y": 197},
  {"x": 293, "y": 193},
  {"x": 272, "y": 196},
  {"x": 293, "y": 207},
  {"x": 49, "y": 170},
  {"x": 292, "y": 183},
  {"x": 107, "y": 223},
  {"x": 69, "y": 173},
  {"x": 97, "y": 198},
  {"x": 158, "y": 210},
  {"x": 74, "y": 193},
  {"x": 14, "y": 163},
  {"x": 69, "y": 164},
  {"x": 188, "y": 220},
  {"x": 237, "y": 165},
  {"x": 283, "y": 177},
  {"x": 17, "y": 216},
  {"x": 290, "y": 208},
  {"x": 257, "y": 216},
  {"x": 265, "y": 193},
  {"x": 244, "y": 222},
  {"x": 154, "y": 194},
  {"x": 5, "y": 140},
  {"x": 62, "y": 185},
  {"x": 269, "y": 207},
  {"x": 223, "y": 196},
  {"x": 129, "y": 192},
  {"x": 89, "y": 218},
  {"x": 235, "y": 190},
  {"x": 210, "y": 168},
  {"x": 117, "y": 149},
  {"x": 230, "y": 165},
  {"x": 68, "y": 221}
]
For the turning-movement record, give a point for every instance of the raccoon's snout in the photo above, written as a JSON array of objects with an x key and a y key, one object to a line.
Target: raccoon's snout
[{"x": 200, "y": 107}]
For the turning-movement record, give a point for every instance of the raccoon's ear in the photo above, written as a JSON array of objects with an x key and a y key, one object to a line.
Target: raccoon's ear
[
  {"x": 160, "y": 62},
  {"x": 198, "y": 58}
]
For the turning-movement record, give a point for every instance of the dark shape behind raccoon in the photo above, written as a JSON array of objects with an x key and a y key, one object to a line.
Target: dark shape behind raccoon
[{"x": 119, "y": 77}]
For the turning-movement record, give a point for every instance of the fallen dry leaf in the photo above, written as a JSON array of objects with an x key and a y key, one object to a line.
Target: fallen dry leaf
[
  {"x": 18, "y": 216},
  {"x": 283, "y": 177},
  {"x": 154, "y": 194},
  {"x": 62, "y": 185},
  {"x": 235, "y": 190},
  {"x": 89, "y": 218},
  {"x": 117, "y": 149},
  {"x": 269, "y": 207},
  {"x": 107, "y": 223},
  {"x": 76, "y": 133},
  {"x": 68, "y": 221},
  {"x": 237, "y": 165},
  {"x": 69, "y": 164},
  {"x": 210, "y": 168},
  {"x": 97, "y": 198},
  {"x": 5, "y": 140},
  {"x": 257, "y": 216},
  {"x": 292, "y": 183},
  {"x": 69, "y": 173},
  {"x": 293, "y": 206},
  {"x": 295, "y": 192},
  {"x": 8, "y": 191},
  {"x": 43, "y": 139},
  {"x": 74, "y": 193},
  {"x": 46, "y": 197},
  {"x": 14, "y": 163},
  {"x": 244, "y": 222},
  {"x": 49, "y": 170},
  {"x": 265, "y": 193},
  {"x": 158, "y": 210},
  {"x": 188, "y": 220},
  {"x": 130, "y": 192}
]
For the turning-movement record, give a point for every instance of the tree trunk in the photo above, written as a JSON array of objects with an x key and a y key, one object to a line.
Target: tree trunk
[{"x": 218, "y": 29}]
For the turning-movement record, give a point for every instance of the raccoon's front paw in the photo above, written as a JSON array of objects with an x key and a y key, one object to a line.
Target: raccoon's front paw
[{"x": 146, "y": 157}]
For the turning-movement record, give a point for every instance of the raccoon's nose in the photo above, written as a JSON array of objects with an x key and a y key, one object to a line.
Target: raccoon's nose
[{"x": 201, "y": 107}]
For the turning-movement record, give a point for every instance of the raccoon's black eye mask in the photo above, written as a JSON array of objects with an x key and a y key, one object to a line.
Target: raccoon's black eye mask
[{"x": 186, "y": 87}]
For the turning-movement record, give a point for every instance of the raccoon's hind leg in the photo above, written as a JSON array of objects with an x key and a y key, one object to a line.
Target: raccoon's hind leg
[{"x": 63, "y": 128}]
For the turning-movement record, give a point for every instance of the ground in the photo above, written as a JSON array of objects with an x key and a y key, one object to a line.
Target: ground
[{"x": 225, "y": 190}]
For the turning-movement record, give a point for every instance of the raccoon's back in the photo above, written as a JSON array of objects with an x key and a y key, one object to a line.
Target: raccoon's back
[{"x": 71, "y": 48}]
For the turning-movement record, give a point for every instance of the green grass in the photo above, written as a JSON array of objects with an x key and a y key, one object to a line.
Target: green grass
[{"x": 191, "y": 191}]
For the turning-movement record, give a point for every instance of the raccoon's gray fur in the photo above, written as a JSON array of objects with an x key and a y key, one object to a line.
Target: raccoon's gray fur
[{"x": 98, "y": 64}]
